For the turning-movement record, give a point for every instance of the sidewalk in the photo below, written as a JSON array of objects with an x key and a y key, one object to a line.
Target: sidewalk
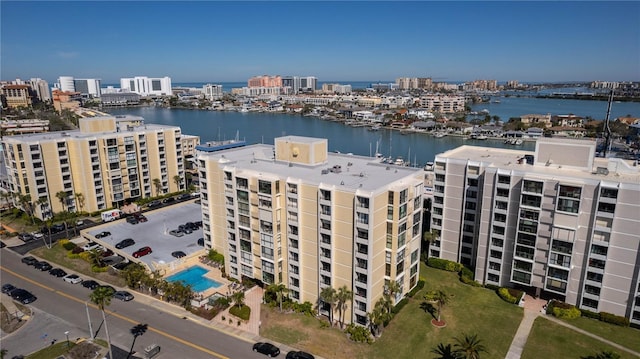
[{"x": 532, "y": 310}]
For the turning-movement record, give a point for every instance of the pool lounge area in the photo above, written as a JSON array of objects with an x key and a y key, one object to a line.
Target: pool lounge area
[{"x": 196, "y": 277}]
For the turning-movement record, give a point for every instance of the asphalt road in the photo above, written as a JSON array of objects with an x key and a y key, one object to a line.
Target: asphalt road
[{"x": 61, "y": 307}]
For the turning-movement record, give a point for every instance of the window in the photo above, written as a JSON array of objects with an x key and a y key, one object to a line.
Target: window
[
  {"x": 606, "y": 207},
  {"x": 242, "y": 183},
  {"x": 264, "y": 187},
  {"x": 561, "y": 246},
  {"x": 595, "y": 277},
  {"x": 497, "y": 242},
  {"x": 568, "y": 199},
  {"x": 592, "y": 290},
  {"x": 532, "y": 186},
  {"x": 531, "y": 200},
  {"x": 363, "y": 218},
  {"x": 524, "y": 252},
  {"x": 363, "y": 202},
  {"x": 590, "y": 303},
  {"x": 521, "y": 277},
  {"x": 596, "y": 263},
  {"x": 599, "y": 250},
  {"x": 609, "y": 192}
]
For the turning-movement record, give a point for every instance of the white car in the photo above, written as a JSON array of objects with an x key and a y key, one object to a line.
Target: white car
[
  {"x": 90, "y": 246},
  {"x": 72, "y": 278},
  {"x": 37, "y": 235}
]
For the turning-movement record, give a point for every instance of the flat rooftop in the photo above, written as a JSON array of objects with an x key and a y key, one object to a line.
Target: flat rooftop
[{"x": 347, "y": 171}]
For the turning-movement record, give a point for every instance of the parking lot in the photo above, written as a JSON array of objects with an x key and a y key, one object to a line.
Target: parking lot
[{"x": 154, "y": 233}]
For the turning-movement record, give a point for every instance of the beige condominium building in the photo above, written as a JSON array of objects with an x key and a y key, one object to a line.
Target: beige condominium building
[
  {"x": 558, "y": 222},
  {"x": 293, "y": 213},
  {"x": 108, "y": 160}
]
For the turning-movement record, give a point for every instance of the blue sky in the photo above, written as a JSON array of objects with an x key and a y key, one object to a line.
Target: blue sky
[{"x": 210, "y": 41}]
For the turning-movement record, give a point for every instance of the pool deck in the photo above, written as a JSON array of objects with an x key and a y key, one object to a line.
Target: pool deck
[{"x": 253, "y": 296}]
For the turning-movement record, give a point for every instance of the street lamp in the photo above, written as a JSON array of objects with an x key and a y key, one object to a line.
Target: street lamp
[{"x": 67, "y": 334}]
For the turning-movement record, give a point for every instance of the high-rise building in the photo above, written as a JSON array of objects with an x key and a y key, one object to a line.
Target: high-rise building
[
  {"x": 212, "y": 92},
  {"x": 295, "y": 214},
  {"x": 557, "y": 222},
  {"x": 41, "y": 88},
  {"x": 65, "y": 83},
  {"x": 147, "y": 86},
  {"x": 15, "y": 96},
  {"x": 87, "y": 87},
  {"x": 109, "y": 160},
  {"x": 265, "y": 81}
]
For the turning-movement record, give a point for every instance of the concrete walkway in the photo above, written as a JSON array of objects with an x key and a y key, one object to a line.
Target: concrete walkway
[{"x": 532, "y": 310}]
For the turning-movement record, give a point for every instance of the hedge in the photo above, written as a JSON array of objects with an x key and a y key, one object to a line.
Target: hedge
[
  {"x": 243, "y": 312},
  {"x": 417, "y": 288},
  {"x": 570, "y": 313},
  {"x": 590, "y": 314},
  {"x": 466, "y": 277},
  {"x": 614, "y": 319},
  {"x": 395, "y": 310},
  {"x": 506, "y": 296},
  {"x": 444, "y": 264}
]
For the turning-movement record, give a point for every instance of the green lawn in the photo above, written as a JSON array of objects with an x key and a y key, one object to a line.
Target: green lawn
[
  {"x": 551, "y": 340},
  {"x": 471, "y": 310},
  {"x": 625, "y": 336}
]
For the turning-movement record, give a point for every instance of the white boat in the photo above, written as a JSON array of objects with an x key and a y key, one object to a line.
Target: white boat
[
  {"x": 518, "y": 142},
  {"x": 399, "y": 161},
  {"x": 485, "y": 111},
  {"x": 481, "y": 137},
  {"x": 439, "y": 134},
  {"x": 375, "y": 128}
]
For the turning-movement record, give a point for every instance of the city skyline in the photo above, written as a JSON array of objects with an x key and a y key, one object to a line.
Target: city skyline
[{"x": 347, "y": 41}]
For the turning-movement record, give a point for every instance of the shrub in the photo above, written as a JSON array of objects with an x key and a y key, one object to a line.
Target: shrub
[
  {"x": 398, "y": 307},
  {"x": 306, "y": 308},
  {"x": 72, "y": 255},
  {"x": 77, "y": 250},
  {"x": 570, "y": 313},
  {"x": 359, "y": 334},
  {"x": 614, "y": 319},
  {"x": 590, "y": 314},
  {"x": 492, "y": 287},
  {"x": 506, "y": 296},
  {"x": 243, "y": 312},
  {"x": 444, "y": 264},
  {"x": 97, "y": 269},
  {"x": 515, "y": 293},
  {"x": 69, "y": 245},
  {"x": 466, "y": 277},
  {"x": 417, "y": 288}
]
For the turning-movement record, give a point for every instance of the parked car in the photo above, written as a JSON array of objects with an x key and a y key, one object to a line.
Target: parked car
[
  {"x": 72, "y": 278},
  {"x": 140, "y": 217},
  {"x": 90, "y": 246},
  {"x": 29, "y": 260},
  {"x": 127, "y": 242},
  {"x": 8, "y": 288},
  {"x": 299, "y": 355},
  {"x": 176, "y": 232},
  {"x": 195, "y": 194},
  {"x": 183, "y": 196},
  {"x": 201, "y": 242},
  {"x": 184, "y": 229},
  {"x": 43, "y": 266},
  {"x": 103, "y": 234},
  {"x": 142, "y": 252},
  {"x": 123, "y": 295},
  {"x": 153, "y": 204},
  {"x": 178, "y": 254},
  {"x": 25, "y": 237},
  {"x": 132, "y": 220},
  {"x": 57, "y": 272},
  {"x": 37, "y": 235},
  {"x": 23, "y": 296},
  {"x": 198, "y": 223},
  {"x": 122, "y": 265},
  {"x": 91, "y": 284},
  {"x": 168, "y": 200},
  {"x": 267, "y": 349}
]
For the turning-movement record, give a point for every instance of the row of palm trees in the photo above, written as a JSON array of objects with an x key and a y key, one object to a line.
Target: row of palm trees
[
  {"x": 465, "y": 347},
  {"x": 29, "y": 205},
  {"x": 338, "y": 299},
  {"x": 137, "y": 277},
  {"x": 158, "y": 184}
]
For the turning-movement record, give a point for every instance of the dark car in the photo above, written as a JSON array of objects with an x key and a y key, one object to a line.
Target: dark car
[
  {"x": 132, "y": 220},
  {"x": 26, "y": 237},
  {"x": 125, "y": 243},
  {"x": 123, "y": 295},
  {"x": 168, "y": 200},
  {"x": 153, "y": 204},
  {"x": 192, "y": 226},
  {"x": 103, "y": 234},
  {"x": 140, "y": 217},
  {"x": 201, "y": 242},
  {"x": 8, "y": 288},
  {"x": 198, "y": 223},
  {"x": 184, "y": 196},
  {"x": 29, "y": 260},
  {"x": 43, "y": 266},
  {"x": 57, "y": 272},
  {"x": 178, "y": 254},
  {"x": 268, "y": 349},
  {"x": 91, "y": 284},
  {"x": 299, "y": 355},
  {"x": 142, "y": 252},
  {"x": 56, "y": 228},
  {"x": 23, "y": 296}
]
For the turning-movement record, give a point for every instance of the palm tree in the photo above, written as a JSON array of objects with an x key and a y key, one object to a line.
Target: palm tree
[
  {"x": 343, "y": 296},
  {"x": 136, "y": 331},
  {"x": 177, "y": 180},
  {"x": 43, "y": 202},
  {"x": 441, "y": 298},
  {"x": 79, "y": 200},
  {"x": 158, "y": 185},
  {"x": 376, "y": 319},
  {"x": 328, "y": 296},
  {"x": 605, "y": 354},
  {"x": 469, "y": 347},
  {"x": 27, "y": 205},
  {"x": 238, "y": 298},
  {"x": 444, "y": 352},
  {"x": 280, "y": 290},
  {"x": 101, "y": 297},
  {"x": 62, "y": 197},
  {"x": 391, "y": 290}
]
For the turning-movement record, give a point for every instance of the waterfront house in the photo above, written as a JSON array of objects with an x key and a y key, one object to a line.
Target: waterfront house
[
  {"x": 532, "y": 119},
  {"x": 567, "y": 131},
  {"x": 569, "y": 120}
]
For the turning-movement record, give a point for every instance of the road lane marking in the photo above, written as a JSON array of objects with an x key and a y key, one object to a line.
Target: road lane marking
[{"x": 119, "y": 316}]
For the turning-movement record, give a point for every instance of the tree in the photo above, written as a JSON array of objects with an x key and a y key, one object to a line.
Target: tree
[
  {"x": 429, "y": 237},
  {"x": 158, "y": 185},
  {"x": 101, "y": 297},
  {"x": 42, "y": 203},
  {"x": 343, "y": 296},
  {"x": 62, "y": 197},
  {"x": 79, "y": 200},
  {"x": 280, "y": 291},
  {"x": 441, "y": 298},
  {"x": 444, "y": 352},
  {"x": 27, "y": 205},
  {"x": 392, "y": 288},
  {"x": 605, "y": 354},
  {"x": 469, "y": 347},
  {"x": 177, "y": 180},
  {"x": 377, "y": 317},
  {"x": 238, "y": 298},
  {"x": 328, "y": 296},
  {"x": 136, "y": 331}
]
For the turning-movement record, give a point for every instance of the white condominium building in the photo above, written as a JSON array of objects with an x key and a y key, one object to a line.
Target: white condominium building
[
  {"x": 147, "y": 86},
  {"x": 293, "y": 213},
  {"x": 557, "y": 222}
]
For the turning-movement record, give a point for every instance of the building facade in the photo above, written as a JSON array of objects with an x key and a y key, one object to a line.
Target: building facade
[
  {"x": 293, "y": 213},
  {"x": 147, "y": 86},
  {"x": 557, "y": 222},
  {"x": 108, "y": 160},
  {"x": 15, "y": 96}
]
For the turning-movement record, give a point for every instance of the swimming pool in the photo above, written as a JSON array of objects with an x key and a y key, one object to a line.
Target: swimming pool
[{"x": 195, "y": 277}]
